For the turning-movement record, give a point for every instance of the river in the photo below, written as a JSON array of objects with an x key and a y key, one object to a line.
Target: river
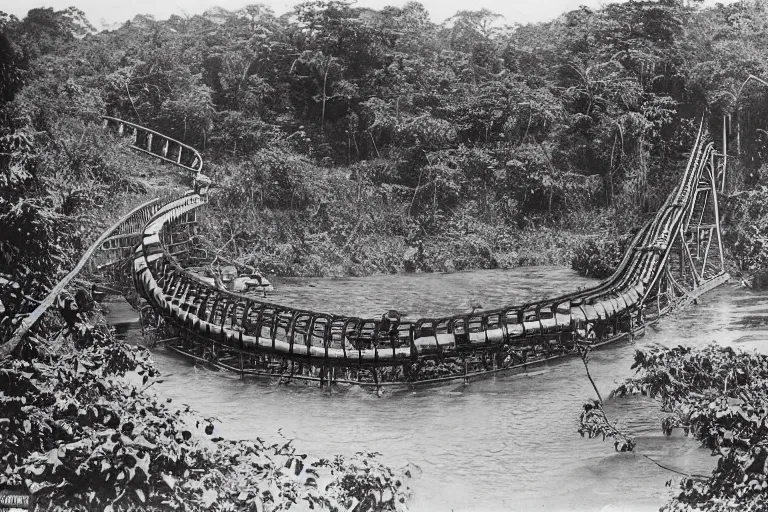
[{"x": 505, "y": 443}]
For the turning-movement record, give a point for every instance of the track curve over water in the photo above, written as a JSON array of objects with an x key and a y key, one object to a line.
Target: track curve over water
[
  {"x": 157, "y": 247},
  {"x": 640, "y": 291}
]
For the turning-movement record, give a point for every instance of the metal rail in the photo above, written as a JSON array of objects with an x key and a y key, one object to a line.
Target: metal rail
[{"x": 27, "y": 323}]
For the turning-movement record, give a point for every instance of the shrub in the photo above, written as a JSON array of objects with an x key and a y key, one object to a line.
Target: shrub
[
  {"x": 746, "y": 231},
  {"x": 718, "y": 396},
  {"x": 77, "y": 434},
  {"x": 599, "y": 257}
]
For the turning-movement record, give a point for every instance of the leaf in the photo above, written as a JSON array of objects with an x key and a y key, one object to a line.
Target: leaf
[
  {"x": 142, "y": 442},
  {"x": 143, "y": 463},
  {"x": 53, "y": 459},
  {"x": 169, "y": 480},
  {"x": 35, "y": 470},
  {"x": 355, "y": 502},
  {"x": 141, "y": 496},
  {"x": 209, "y": 497}
]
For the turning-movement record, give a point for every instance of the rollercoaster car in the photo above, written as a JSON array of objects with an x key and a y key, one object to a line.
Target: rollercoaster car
[
  {"x": 513, "y": 324},
  {"x": 494, "y": 332},
  {"x": 546, "y": 319},
  {"x": 433, "y": 337}
]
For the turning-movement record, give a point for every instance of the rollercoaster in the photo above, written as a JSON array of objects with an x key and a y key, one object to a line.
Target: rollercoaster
[{"x": 157, "y": 250}]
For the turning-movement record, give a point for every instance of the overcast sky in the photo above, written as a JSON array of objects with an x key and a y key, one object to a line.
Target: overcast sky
[{"x": 118, "y": 11}]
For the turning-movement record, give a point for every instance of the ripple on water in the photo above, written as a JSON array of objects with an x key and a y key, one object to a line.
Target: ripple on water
[{"x": 506, "y": 443}]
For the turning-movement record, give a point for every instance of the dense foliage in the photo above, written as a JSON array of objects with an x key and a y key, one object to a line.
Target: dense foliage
[
  {"x": 717, "y": 395},
  {"x": 599, "y": 257},
  {"x": 747, "y": 233},
  {"x": 77, "y": 434},
  {"x": 355, "y": 137}
]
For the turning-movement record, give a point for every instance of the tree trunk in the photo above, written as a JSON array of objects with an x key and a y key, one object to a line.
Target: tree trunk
[{"x": 325, "y": 96}]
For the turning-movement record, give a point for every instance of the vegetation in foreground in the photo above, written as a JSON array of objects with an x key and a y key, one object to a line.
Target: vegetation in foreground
[
  {"x": 79, "y": 435},
  {"x": 717, "y": 395}
]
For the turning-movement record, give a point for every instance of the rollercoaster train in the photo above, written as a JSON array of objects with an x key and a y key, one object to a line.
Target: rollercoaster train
[{"x": 251, "y": 335}]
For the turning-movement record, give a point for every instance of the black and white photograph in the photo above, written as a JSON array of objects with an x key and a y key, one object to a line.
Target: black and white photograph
[{"x": 384, "y": 255}]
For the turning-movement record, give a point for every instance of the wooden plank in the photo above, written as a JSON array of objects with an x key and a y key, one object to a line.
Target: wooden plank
[
  {"x": 704, "y": 288},
  {"x": 706, "y": 251},
  {"x": 696, "y": 276},
  {"x": 717, "y": 223}
]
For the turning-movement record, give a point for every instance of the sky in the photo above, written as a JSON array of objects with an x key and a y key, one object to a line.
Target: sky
[{"x": 103, "y": 13}]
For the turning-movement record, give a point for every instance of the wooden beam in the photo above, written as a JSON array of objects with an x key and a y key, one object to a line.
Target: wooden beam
[
  {"x": 28, "y": 322},
  {"x": 715, "y": 203},
  {"x": 725, "y": 157},
  {"x": 706, "y": 251},
  {"x": 696, "y": 276}
]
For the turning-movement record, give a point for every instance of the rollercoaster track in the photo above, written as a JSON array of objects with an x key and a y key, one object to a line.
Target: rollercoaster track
[
  {"x": 464, "y": 376},
  {"x": 155, "y": 244},
  {"x": 157, "y": 145},
  {"x": 246, "y": 324},
  {"x": 87, "y": 259}
]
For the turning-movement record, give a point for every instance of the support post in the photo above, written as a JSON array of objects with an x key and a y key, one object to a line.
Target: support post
[
  {"x": 717, "y": 223},
  {"x": 682, "y": 254},
  {"x": 725, "y": 157},
  {"x": 658, "y": 299},
  {"x": 698, "y": 241}
]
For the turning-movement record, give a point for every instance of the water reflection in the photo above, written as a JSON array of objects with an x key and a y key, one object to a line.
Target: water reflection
[{"x": 506, "y": 443}]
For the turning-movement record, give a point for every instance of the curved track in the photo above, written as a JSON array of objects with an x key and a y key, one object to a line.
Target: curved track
[
  {"x": 206, "y": 314},
  {"x": 156, "y": 244}
]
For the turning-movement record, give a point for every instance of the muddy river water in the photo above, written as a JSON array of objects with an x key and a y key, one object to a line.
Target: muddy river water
[{"x": 506, "y": 443}]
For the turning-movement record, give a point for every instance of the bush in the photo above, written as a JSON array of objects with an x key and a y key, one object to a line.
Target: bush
[
  {"x": 599, "y": 257},
  {"x": 76, "y": 433},
  {"x": 717, "y": 395},
  {"x": 746, "y": 230}
]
